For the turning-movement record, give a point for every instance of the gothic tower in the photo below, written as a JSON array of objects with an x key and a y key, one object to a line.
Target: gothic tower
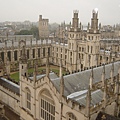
[
  {"x": 93, "y": 39},
  {"x": 43, "y": 28},
  {"x": 23, "y": 63},
  {"x": 74, "y": 35}
]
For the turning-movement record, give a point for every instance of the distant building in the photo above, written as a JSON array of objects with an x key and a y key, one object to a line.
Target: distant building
[{"x": 43, "y": 28}]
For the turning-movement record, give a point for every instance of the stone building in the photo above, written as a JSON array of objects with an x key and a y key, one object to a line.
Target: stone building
[
  {"x": 81, "y": 95},
  {"x": 78, "y": 49},
  {"x": 43, "y": 28},
  {"x": 92, "y": 86}
]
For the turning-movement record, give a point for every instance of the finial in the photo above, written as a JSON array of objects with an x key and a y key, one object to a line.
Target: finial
[
  {"x": 47, "y": 66},
  {"x": 35, "y": 71},
  {"x": 61, "y": 82},
  {"x": 88, "y": 102},
  {"x": 91, "y": 79},
  {"x": 103, "y": 75},
  {"x": 23, "y": 57},
  {"x": 112, "y": 72}
]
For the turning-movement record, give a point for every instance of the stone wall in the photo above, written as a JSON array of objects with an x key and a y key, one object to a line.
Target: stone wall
[{"x": 10, "y": 99}]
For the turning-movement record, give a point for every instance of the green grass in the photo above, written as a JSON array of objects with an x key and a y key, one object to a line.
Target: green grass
[
  {"x": 15, "y": 76},
  {"x": 55, "y": 69}
]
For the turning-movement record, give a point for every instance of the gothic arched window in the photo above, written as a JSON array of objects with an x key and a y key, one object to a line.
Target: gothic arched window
[
  {"x": 47, "y": 106},
  {"x": 71, "y": 116},
  {"x": 28, "y": 99}
]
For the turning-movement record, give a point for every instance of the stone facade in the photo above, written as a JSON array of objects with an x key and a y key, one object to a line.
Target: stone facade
[
  {"x": 43, "y": 28},
  {"x": 92, "y": 86},
  {"x": 76, "y": 48}
]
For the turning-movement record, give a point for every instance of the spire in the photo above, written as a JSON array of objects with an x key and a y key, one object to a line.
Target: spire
[
  {"x": 117, "y": 85},
  {"x": 60, "y": 71},
  {"x": 35, "y": 71},
  {"x": 105, "y": 95},
  {"x": 8, "y": 66},
  {"x": 75, "y": 20},
  {"x": 88, "y": 102},
  {"x": 112, "y": 72},
  {"x": 61, "y": 82},
  {"x": 70, "y": 24},
  {"x": 91, "y": 78},
  {"x": 103, "y": 75},
  {"x": 23, "y": 57},
  {"x": 99, "y": 26},
  {"x": 94, "y": 21},
  {"x": 64, "y": 24},
  {"x": 80, "y": 25},
  {"x": 47, "y": 66},
  {"x": 117, "y": 96},
  {"x": 88, "y": 27}
]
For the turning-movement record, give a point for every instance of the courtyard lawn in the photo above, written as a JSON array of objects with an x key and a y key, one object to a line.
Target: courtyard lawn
[
  {"x": 15, "y": 76},
  {"x": 55, "y": 69}
]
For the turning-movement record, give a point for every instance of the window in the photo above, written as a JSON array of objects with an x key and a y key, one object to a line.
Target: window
[
  {"x": 38, "y": 52},
  {"x": 79, "y": 48},
  {"x": 47, "y": 106},
  {"x": 91, "y": 49},
  {"x": 33, "y": 52},
  {"x": 82, "y": 56},
  {"x": 71, "y": 116},
  {"x": 82, "y": 49},
  {"x": 43, "y": 52},
  {"x": 88, "y": 49},
  {"x": 15, "y": 55},
  {"x": 9, "y": 55},
  {"x": 28, "y": 54},
  {"x": 92, "y": 37},
  {"x": 28, "y": 99},
  {"x": 88, "y": 37},
  {"x": 48, "y": 51}
]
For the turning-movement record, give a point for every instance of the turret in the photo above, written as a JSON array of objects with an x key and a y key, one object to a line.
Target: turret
[
  {"x": 94, "y": 21},
  {"x": 91, "y": 78},
  {"x": 35, "y": 72},
  {"x": 61, "y": 82},
  {"x": 80, "y": 25},
  {"x": 88, "y": 102},
  {"x": 105, "y": 95},
  {"x": 8, "y": 67},
  {"x": 75, "y": 21},
  {"x": 23, "y": 64},
  {"x": 47, "y": 66},
  {"x": 103, "y": 76},
  {"x": 112, "y": 72},
  {"x": 88, "y": 27}
]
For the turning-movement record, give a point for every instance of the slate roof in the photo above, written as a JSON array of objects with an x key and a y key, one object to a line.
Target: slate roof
[
  {"x": 80, "y": 81},
  {"x": 80, "y": 97},
  {"x": 52, "y": 75},
  {"x": 10, "y": 85}
]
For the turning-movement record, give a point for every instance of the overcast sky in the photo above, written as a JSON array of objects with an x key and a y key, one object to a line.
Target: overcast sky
[{"x": 59, "y": 10}]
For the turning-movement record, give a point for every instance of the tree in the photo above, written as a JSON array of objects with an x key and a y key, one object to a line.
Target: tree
[{"x": 33, "y": 31}]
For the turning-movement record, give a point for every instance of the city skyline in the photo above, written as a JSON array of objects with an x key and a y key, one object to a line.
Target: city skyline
[{"x": 21, "y": 10}]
